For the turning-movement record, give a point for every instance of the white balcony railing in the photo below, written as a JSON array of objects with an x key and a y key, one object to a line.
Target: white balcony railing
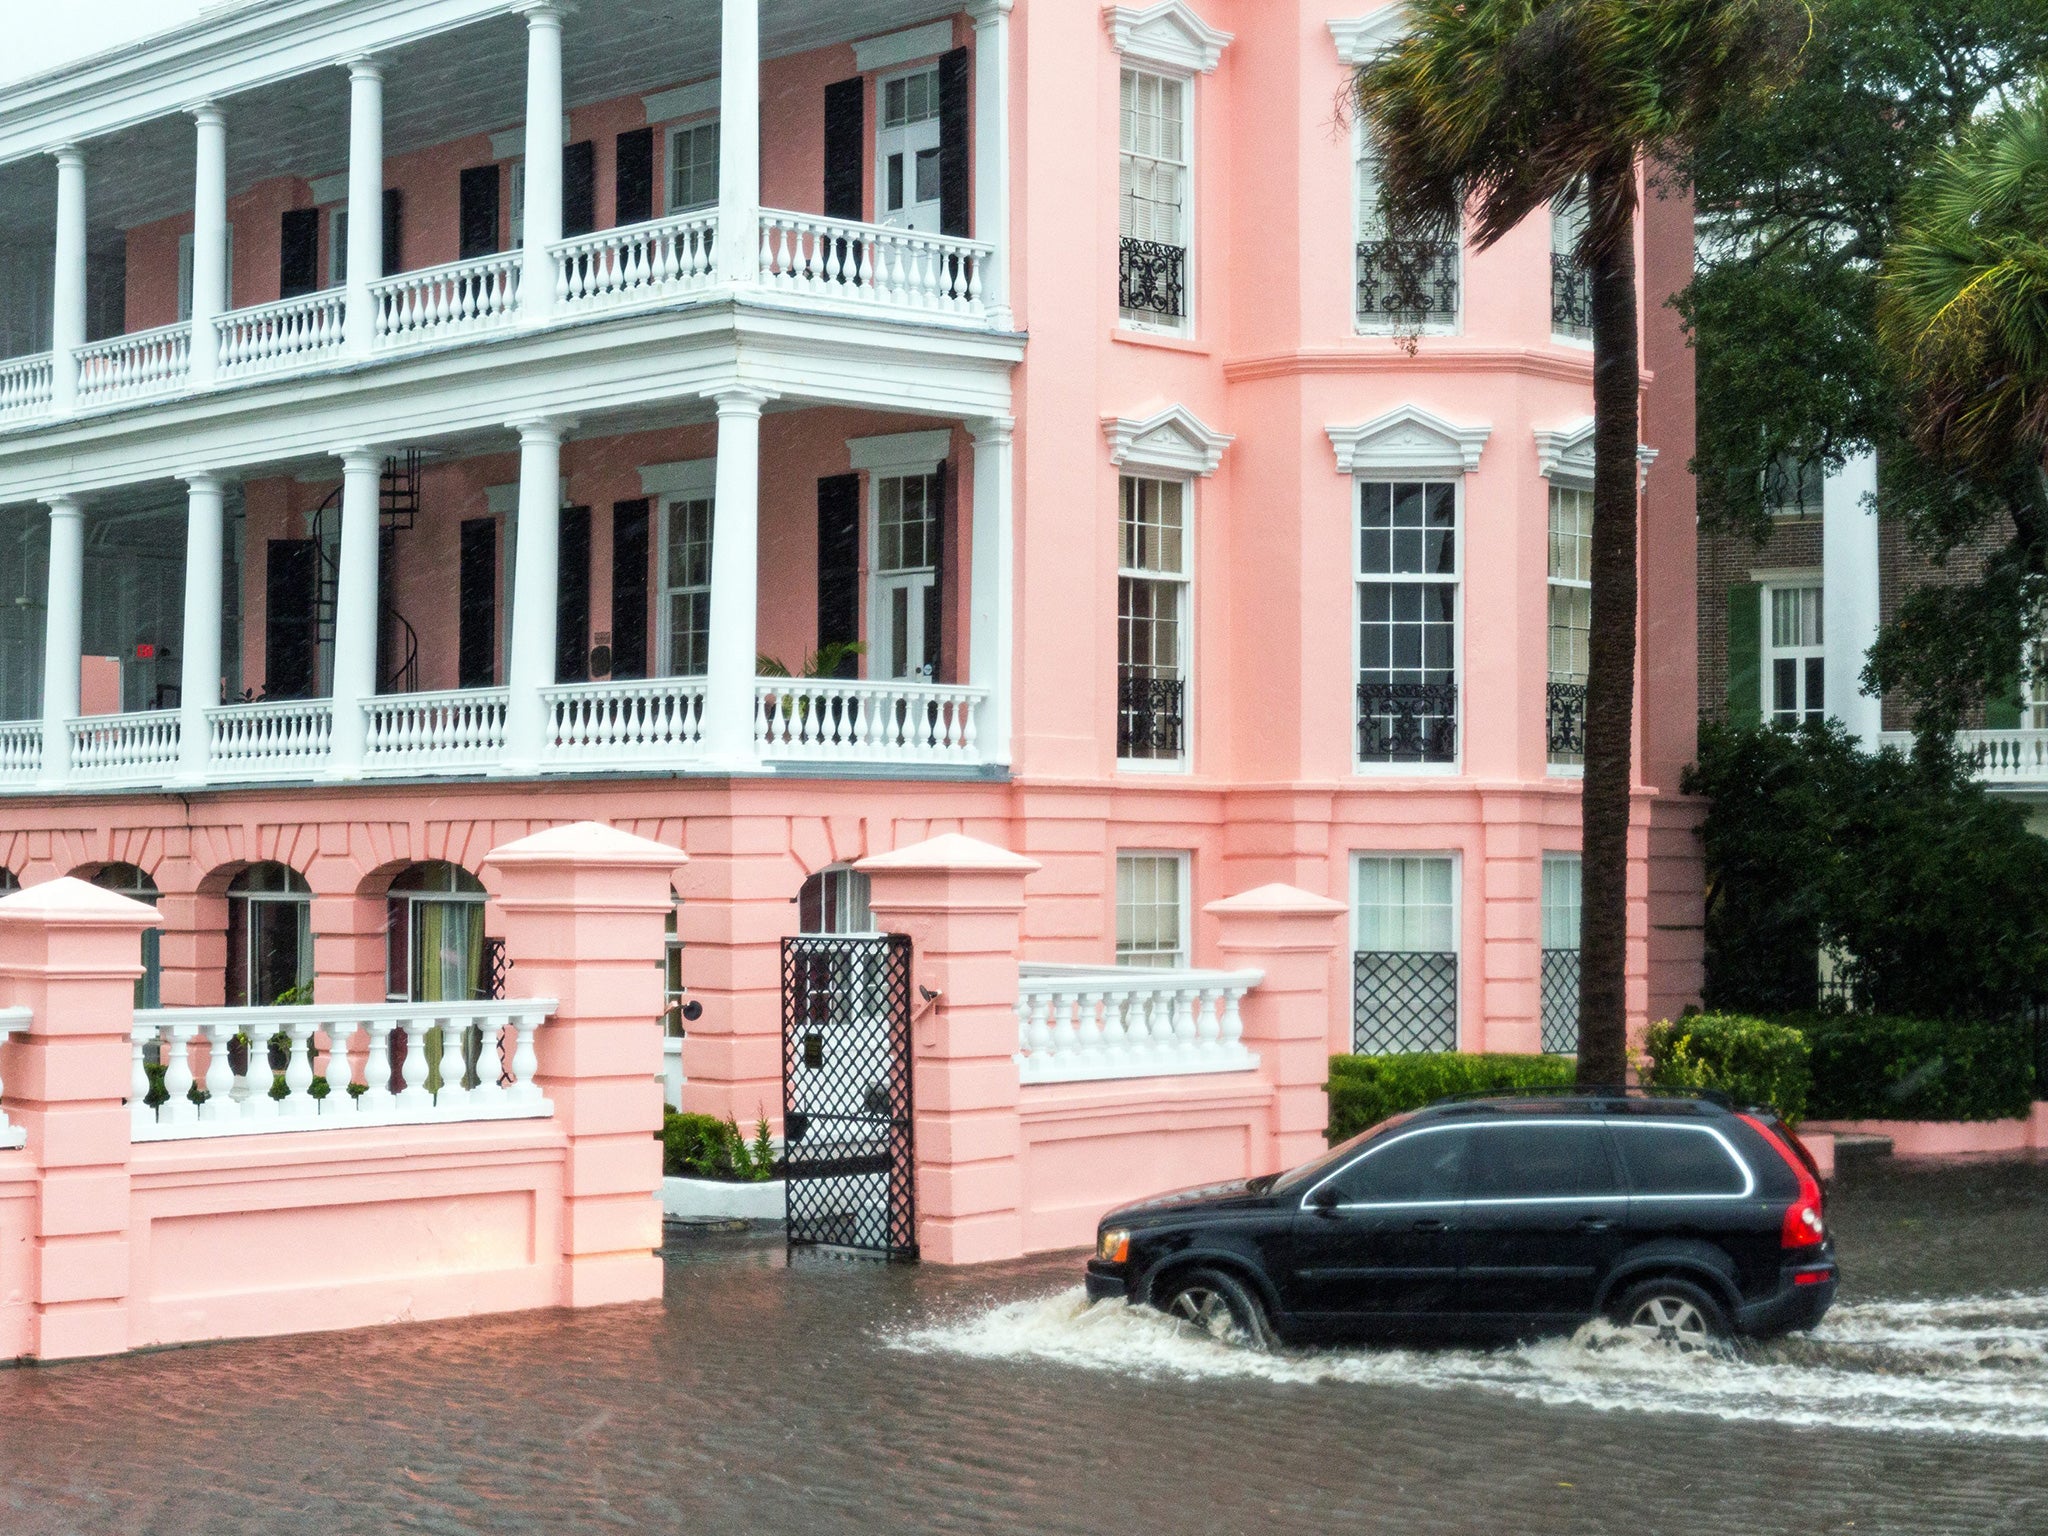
[
  {"x": 638, "y": 263},
  {"x": 21, "y": 751},
  {"x": 436, "y": 732},
  {"x": 449, "y": 1061},
  {"x": 284, "y": 335},
  {"x": 129, "y": 367},
  {"x": 2018, "y": 757},
  {"x": 603, "y": 725},
  {"x": 1085, "y": 1023},
  {"x": 117, "y": 749},
  {"x": 865, "y": 263},
  {"x": 462, "y": 298},
  {"x": 283, "y": 740},
  {"x": 13, "y": 1021},
  {"x": 26, "y": 385},
  {"x": 832, "y": 719}
]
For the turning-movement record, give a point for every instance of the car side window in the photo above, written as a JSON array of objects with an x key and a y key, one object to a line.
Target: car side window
[
  {"x": 1532, "y": 1160},
  {"x": 1677, "y": 1160},
  {"x": 1424, "y": 1167}
]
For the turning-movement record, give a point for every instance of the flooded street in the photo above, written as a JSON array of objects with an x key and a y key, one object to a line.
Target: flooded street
[{"x": 840, "y": 1397}]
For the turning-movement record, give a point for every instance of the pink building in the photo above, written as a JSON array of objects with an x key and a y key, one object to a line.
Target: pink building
[{"x": 414, "y": 445}]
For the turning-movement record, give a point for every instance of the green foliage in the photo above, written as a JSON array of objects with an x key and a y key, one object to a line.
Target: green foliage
[
  {"x": 1930, "y": 888},
  {"x": 706, "y": 1147},
  {"x": 1878, "y": 1067},
  {"x": 1753, "y": 1061},
  {"x": 827, "y": 661},
  {"x": 1365, "y": 1090}
]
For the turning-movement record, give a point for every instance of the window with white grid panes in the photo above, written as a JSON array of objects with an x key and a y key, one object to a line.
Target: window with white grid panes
[
  {"x": 1408, "y": 573},
  {"x": 1405, "y": 997},
  {"x": 1561, "y": 901},
  {"x": 835, "y": 901},
  {"x": 1152, "y": 611},
  {"x": 1152, "y": 195},
  {"x": 693, "y": 167},
  {"x": 1404, "y": 286},
  {"x": 686, "y": 585},
  {"x": 2037, "y": 688},
  {"x": 1795, "y": 658},
  {"x": 1795, "y": 487},
  {"x": 905, "y": 616},
  {"x": 1571, "y": 608},
  {"x": 908, "y": 153},
  {"x": 1151, "y": 910}
]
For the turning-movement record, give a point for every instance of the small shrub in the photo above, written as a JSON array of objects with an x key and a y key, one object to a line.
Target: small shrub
[
  {"x": 1364, "y": 1090},
  {"x": 1753, "y": 1061},
  {"x": 1878, "y": 1067},
  {"x": 706, "y": 1147}
]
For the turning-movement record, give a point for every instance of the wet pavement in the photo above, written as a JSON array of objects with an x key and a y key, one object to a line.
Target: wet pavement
[{"x": 837, "y": 1397}]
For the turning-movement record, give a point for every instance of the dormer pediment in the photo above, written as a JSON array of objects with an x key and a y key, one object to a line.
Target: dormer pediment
[
  {"x": 1174, "y": 440},
  {"x": 1170, "y": 35},
  {"x": 1409, "y": 440},
  {"x": 1364, "y": 39}
]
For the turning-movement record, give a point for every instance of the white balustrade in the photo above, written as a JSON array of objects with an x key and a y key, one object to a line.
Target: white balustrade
[
  {"x": 281, "y": 740},
  {"x": 124, "y": 748},
  {"x": 128, "y": 367},
  {"x": 435, "y": 732},
  {"x": 276, "y": 337},
  {"x": 1087, "y": 1023},
  {"x": 13, "y": 1021},
  {"x": 868, "y": 264},
  {"x": 462, "y": 298},
  {"x": 27, "y": 385},
  {"x": 221, "y": 1072},
  {"x": 837, "y": 720},
  {"x": 2005, "y": 757},
  {"x": 21, "y": 751},
  {"x": 638, "y": 263},
  {"x": 658, "y": 720}
]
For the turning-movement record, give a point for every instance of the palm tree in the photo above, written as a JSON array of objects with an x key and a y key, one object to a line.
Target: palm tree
[{"x": 1499, "y": 107}]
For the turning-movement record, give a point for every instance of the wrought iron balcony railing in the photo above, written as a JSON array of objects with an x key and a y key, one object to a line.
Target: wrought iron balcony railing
[
  {"x": 1571, "y": 297},
  {"x": 1408, "y": 722},
  {"x": 1407, "y": 282},
  {"x": 1567, "y": 721},
  {"x": 1153, "y": 279},
  {"x": 1151, "y": 721}
]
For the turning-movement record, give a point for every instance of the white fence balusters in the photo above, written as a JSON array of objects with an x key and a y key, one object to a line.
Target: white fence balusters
[
  {"x": 836, "y": 259},
  {"x": 637, "y": 263},
  {"x": 113, "y": 749},
  {"x": 220, "y": 1075},
  {"x": 130, "y": 367},
  {"x": 270, "y": 740},
  {"x": 141, "y": 1117},
  {"x": 378, "y": 1098},
  {"x": 276, "y": 337},
  {"x": 1115, "y": 1022},
  {"x": 427, "y": 732},
  {"x": 454, "y": 1035},
  {"x": 444, "y": 303},
  {"x": 599, "y": 725},
  {"x": 178, "y": 1108},
  {"x": 27, "y": 386},
  {"x": 21, "y": 751},
  {"x": 833, "y": 719}
]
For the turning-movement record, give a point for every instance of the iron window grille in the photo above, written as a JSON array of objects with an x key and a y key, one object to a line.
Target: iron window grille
[
  {"x": 1408, "y": 722},
  {"x": 1561, "y": 1002},
  {"x": 1151, "y": 722},
  {"x": 1153, "y": 279},
  {"x": 1404, "y": 1003},
  {"x": 1566, "y": 725},
  {"x": 1571, "y": 297},
  {"x": 1406, "y": 284}
]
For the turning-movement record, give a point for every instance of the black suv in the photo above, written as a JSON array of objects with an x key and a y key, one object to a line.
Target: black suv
[{"x": 1679, "y": 1217}]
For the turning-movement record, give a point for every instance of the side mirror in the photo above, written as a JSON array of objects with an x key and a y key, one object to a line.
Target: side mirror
[{"x": 1325, "y": 1200}]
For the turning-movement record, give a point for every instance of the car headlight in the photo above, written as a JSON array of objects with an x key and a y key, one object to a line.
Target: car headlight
[{"x": 1114, "y": 1245}]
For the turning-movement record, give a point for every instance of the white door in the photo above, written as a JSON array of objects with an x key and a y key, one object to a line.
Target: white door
[
  {"x": 907, "y": 153},
  {"x": 903, "y": 639}
]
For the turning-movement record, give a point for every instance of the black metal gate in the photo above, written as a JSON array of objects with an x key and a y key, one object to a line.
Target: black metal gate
[{"x": 846, "y": 1104}]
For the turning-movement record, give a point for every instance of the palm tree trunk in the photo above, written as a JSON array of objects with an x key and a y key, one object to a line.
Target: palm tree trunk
[{"x": 1611, "y": 645}]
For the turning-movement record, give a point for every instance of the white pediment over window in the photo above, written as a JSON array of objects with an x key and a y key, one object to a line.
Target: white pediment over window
[
  {"x": 1409, "y": 440},
  {"x": 1363, "y": 40},
  {"x": 1169, "y": 35},
  {"x": 1565, "y": 454},
  {"x": 1176, "y": 441}
]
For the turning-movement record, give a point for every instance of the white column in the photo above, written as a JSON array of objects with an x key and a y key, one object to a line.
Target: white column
[
  {"x": 735, "y": 585},
  {"x": 209, "y": 240},
  {"x": 356, "y": 607},
  {"x": 992, "y": 624},
  {"x": 992, "y": 151},
  {"x": 365, "y": 199},
  {"x": 199, "y": 679},
  {"x": 739, "y": 143},
  {"x": 543, "y": 159},
  {"x": 536, "y": 588},
  {"x": 67, "y": 320},
  {"x": 63, "y": 636},
  {"x": 1849, "y": 593}
]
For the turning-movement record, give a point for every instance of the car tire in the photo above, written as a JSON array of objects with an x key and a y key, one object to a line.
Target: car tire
[
  {"x": 1217, "y": 1305},
  {"x": 1675, "y": 1313}
]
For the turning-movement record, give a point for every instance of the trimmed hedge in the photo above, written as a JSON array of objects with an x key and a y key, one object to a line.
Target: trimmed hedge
[
  {"x": 1753, "y": 1061},
  {"x": 1878, "y": 1067},
  {"x": 1365, "y": 1090}
]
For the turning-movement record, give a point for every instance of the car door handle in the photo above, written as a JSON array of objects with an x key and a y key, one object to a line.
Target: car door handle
[
  {"x": 1428, "y": 1224},
  {"x": 1596, "y": 1224}
]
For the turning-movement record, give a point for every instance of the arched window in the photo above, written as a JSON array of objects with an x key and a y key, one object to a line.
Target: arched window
[
  {"x": 435, "y": 936},
  {"x": 133, "y": 883},
  {"x": 270, "y": 937},
  {"x": 834, "y": 901}
]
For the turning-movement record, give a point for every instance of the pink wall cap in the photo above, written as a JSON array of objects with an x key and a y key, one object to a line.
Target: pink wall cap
[
  {"x": 77, "y": 903},
  {"x": 1275, "y": 901},
  {"x": 950, "y": 851},
  {"x": 588, "y": 842}
]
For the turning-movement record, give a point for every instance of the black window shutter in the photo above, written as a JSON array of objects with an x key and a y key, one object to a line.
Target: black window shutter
[
  {"x": 394, "y": 231},
  {"x": 298, "y": 252},
  {"x": 290, "y": 577},
  {"x": 572, "y": 598},
  {"x": 629, "y": 589},
  {"x": 477, "y": 647},
  {"x": 839, "y": 564},
  {"x": 477, "y": 216},
  {"x": 956, "y": 179},
  {"x": 579, "y": 189},
  {"x": 935, "y": 648},
  {"x": 846, "y": 134},
  {"x": 633, "y": 175}
]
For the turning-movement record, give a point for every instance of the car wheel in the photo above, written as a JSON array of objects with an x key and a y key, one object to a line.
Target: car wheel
[
  {"x": 1218, "y": 1306},
  {"x": 1675, "y": 1313}
]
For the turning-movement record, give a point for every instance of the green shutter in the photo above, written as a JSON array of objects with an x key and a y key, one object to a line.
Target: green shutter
[{"x": 1746, "y": 654}]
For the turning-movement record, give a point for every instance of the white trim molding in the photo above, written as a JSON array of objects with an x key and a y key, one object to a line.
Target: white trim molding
[
  {"x": 696, "y": 100},
  {"x": 905, "y": 47},
  {"x": 685, "y": 477},
  {"x": 1365, "y": 39},
  {"x": 1169, "y": 35},
  {"x": 503, "y": 500},
  {"x": 1409, "y": 440},
  {"x": 510, "y": 143},
  {"x": 1175, "y": 440},
  {"x": 901, "y": 453},
  {"x": 1564, "y": 455}
]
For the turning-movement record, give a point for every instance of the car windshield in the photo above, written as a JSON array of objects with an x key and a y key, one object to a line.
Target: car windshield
[{"x": 1309, "y": 1172}]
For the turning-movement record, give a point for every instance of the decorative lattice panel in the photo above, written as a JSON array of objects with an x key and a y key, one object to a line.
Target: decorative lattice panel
[{"x": 1404, "y": 1003}]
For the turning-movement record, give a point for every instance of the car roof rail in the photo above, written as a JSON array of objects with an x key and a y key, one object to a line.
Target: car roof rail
[{"x": 1630, "y": 1091}]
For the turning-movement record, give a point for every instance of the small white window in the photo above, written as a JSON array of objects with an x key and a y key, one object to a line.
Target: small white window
[
  {"x": 1152, "y": 620},
  {"x": 1152, "y": 200},
  {"x": 907, "y": 153},
  {"x": 834, "y": 901},
  {"x": 686, "y": 585},
  {"x": 518, "y": 204},
  {"x": 1571, "y": 620},
  {"x": 185, "y": 274},
  {"x": 1406, "y": 958},
  {"x": 1795, "y": 487},
  {"x": 1795, "y": 658},
  {"x": 1152, "y": 910},
  {"x": 693, "y": 151},
  {"x": 904, "y": 617},
  {"x": 337, "y": 248}
]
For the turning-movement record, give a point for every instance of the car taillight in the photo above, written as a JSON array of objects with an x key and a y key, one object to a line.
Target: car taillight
[{"x": 1804, "y": 1225}]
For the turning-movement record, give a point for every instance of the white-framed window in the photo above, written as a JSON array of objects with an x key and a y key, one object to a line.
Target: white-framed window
[
  {"x": 1154, "y": 187},
  {"x": 1405, "y": 953},
  {"x": 337, "y": 247},
  {"x": 2037, "y": 689},
  {"x": 1571, "y": 285},
  {"x": 135, "y": 884},
  {"x": 835, "y": 901},
  {"x": 270, "y": 938},
  {"x": 1152, "y": 905},
  {"x": 1795, "y": 487},
  {"x": 185, "y": 273},
  {"x": 1401, "y": 286},
  {"x": 674, "y": 995},
  {"x": 685, "y": 612},
  {"x": 907, "y": 151},
  {"x": 518, "y": 203},
  {"x": 434, "y": 951},
  {"x": 1155, "y": 552},
  {"x": 1571, "y": 620},
  {"x": 904, "y": 621},
  {"x": 1795, "y": 655},
  {"x": 1409, "y": 561},
  {"x": 692, "y": 180},
  {"x": 1562, "y": 906}
]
